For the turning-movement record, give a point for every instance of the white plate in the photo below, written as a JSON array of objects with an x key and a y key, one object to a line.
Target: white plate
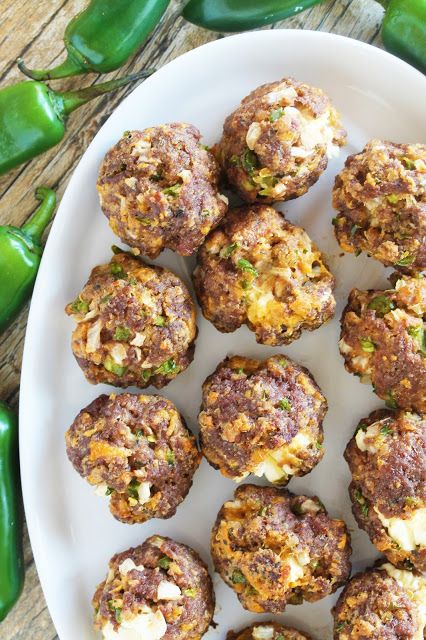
[{"x": 72, "y": 532}]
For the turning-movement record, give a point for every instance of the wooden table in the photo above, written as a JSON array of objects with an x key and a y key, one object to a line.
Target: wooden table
[{"x": 35, "y": 30}]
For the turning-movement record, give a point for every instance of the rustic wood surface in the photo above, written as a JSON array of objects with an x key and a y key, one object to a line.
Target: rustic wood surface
[{"x": 35, "y": 30}]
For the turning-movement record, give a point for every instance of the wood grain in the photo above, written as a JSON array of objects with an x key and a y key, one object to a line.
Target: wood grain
[{"x": 34, "y": 31}]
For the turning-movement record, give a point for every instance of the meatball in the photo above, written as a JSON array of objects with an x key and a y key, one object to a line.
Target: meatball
[
  {"x": 135, "y": 324},
  {"x": 387, "y": 459},
  {"x": 262, "y": 417},
  {"x": 274, "y": 548},
  {"x": 276, "y": 144},
  {"x": 381, "y": 604},
  {"x": 381, "y": 199},
  {"x": 383, "y": 341},
  {"x": 259, "y": 269},
  {"x": 137, "y": 450},
  {"x": 267, "y": 631},
  {"x": 159, "y": 189},
  {"x": 160, "y": 589}
]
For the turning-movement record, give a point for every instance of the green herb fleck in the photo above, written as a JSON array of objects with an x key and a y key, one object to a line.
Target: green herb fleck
[
  {"x": 381, "y": 305},
  {"x": 251, "y": 591},
  {"x": 249, "y": 161},
  {"x": 167, "y": 367},
  {"x": 363, "y": 502},
  {"x": 239, "y": 370},
  {"x": 229, "y": 250},
  {"x": 173, "y": 190},
  {"x": 191, "y": 593},
  {"x": 284, "y": 404},
  {"x": 80, "y": 306},
  {"x": 109, "y": 491},
  {"x": 263, "y": 511},
  {"x": 418, "y": 334},
  {"x": 334, "y": 221},
  {"x": 117, "y": 270},
  {"x": 367, "y": 345},
  {"x": 122, "y": 333},
  {"x": 106, "y": 298},
  {"x": 319, "y": 445},
  {"x": 132, "y": 489},
  {"x": 160, "y": 321},
  {"x": 354, "y": 229},
  {"x": 405, "y": 260},
  {"x": 245, "y": 265},
  {"x": 386, "y": 430},
  {"x": 283, "y": 362},
  {"x": 408, "y": 163},
  {"x": 147, "y": 222},
  {"x": 170, "y": 457},
  {"x": 234, "y": 160},
  {"x": 280, "y": 637},
  {"x": 361, "y": 427},
  {"x": 164, "y": 563},
  {"x": 245, "y": 284},
  {"x": 238, "y": 577},
  {"x": 358, "y": 253},
  {"x": 341, "y": 625},
  {"x": 393, "y": 198},
  {"x": 276, "y": 114},
  {"x": 390, "y": 401},
  {"x": 133, "y": 281},
  {"x": 115, "y": 610},
  {"x": 111, "y": 366},
  {"x": 139, "y": 433},
  {"x": 146, "y": 374}
]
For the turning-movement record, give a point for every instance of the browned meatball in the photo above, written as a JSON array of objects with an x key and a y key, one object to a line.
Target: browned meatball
[
  {"x": 274, "y": 548},
  {"x": 259, "y": 269},
  {"x": 276, "y": 144},
  {"x": 160, "y": 589},
  {"x": 269, "y": 630},
  {"x": 381, "y": 199},
  {"x": 381, "y": 604},
  {"x": 136, "y": 449},
  {"x": 159, "y": 189},
  {"x": 262, "y": 417},
  {"x": 135, "y": 324},
  {"x": 387, "y": 459},
  {"x": 383, "y": 341}
]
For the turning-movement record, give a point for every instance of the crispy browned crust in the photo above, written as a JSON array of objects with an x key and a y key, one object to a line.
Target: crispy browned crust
[
  {"x": 373, "y": 606},
  {"x": 243, "y": 421},
  {"x": 392, "y": 479},
  {"x": 381, "y": 199},
  {"x": 386, "y": 346},
  {"x": 188, "y": 618},
  {"x": 259, "y": 269},
  {"x": 275, "y": 168},
  {"x": 159, "y": 189},
  {"x": 255, "y": 537},
  {"x": 153, "y": 313},
  {"x": 281, "y": 632},
  {"x": 124, "y": 440}
]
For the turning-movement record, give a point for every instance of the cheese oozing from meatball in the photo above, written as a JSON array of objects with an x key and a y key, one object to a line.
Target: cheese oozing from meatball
[
  {"x": 147, "y": 624},
  {"x": 410, "y": 532},
  {"x": 284, "y": 461},
  {"x": 263, "y": 633},
  {"x": 415, "y": 588}
]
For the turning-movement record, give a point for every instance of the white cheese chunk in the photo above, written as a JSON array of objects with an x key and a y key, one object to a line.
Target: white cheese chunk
[
  {"x": 263, "y": 633},
  {"x": 168, "y": 591},
  {"x": 128, "y": 565},
  {"x": 410, "y": 532},
  {"x": 101, "y": 489},
  {"x": 147, "y": 625}
]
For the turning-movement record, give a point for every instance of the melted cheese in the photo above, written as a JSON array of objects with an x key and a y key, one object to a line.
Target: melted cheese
[
  {"x": 283, "y": 461},
  {"x": 147, "y": 625},
  {"x": 263, "y": 633},
  {"x": 415, "y": 587},
  {"x": 410, "y": 532}
]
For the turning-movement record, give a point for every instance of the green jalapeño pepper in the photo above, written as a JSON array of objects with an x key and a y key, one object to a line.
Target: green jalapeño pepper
[
  {"x": 33, "y": 117},
  {"x": 11, "y": 558},
  {"x": 239, "y": 15},
  {"x": 103, "y": 36},
  {"x": 404, "y": 30},
  {"x": 20, "y": 255}
]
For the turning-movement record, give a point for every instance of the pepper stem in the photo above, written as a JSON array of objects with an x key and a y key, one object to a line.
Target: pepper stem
[
  {"x": 70, "y": 100},
  {"x": 37, "y": 223},
  {"x": 68, "y": 67}
]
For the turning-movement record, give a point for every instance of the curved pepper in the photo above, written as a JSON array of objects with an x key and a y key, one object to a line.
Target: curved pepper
[
  {"x": 11, "y": 557},
  {"x": 404, "y": 30},
  {"x": 239, "y": 15},
  {"x": 20, "y": 255},
  {"x": 103, "y": 36},
  {"x": 33, "y": 116}
]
